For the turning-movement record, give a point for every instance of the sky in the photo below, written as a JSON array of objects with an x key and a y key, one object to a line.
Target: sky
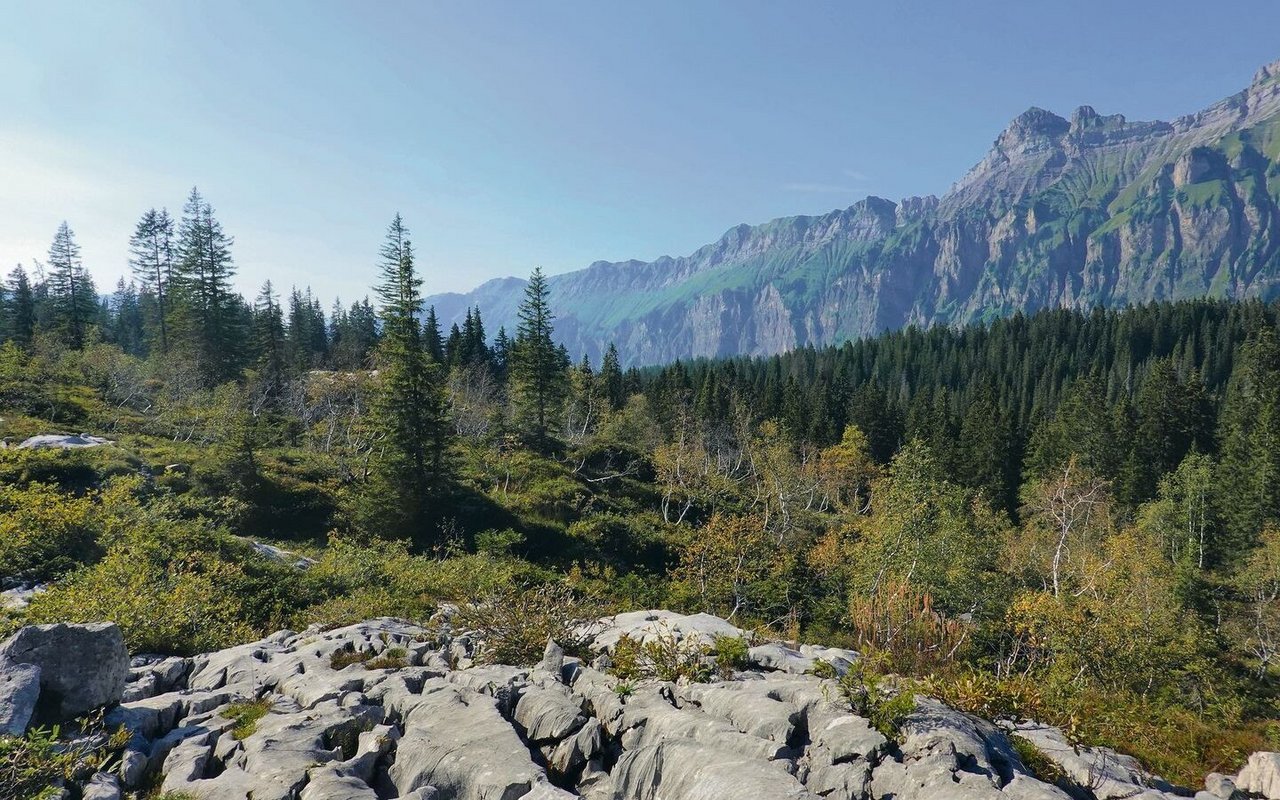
[{"x": 546, "y": 133}]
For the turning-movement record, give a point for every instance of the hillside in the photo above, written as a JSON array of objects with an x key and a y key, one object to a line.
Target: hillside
[{"x": 1091, "y": 210}]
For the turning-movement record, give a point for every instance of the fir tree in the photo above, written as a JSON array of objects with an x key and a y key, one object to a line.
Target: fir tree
[
  {"x": 269, "y": 340},
  {"x": 611, "y": 378},
  {"x": 410, "y": 405},
  {"x": 434, "y": 341},
  {"x": 151, "y": 252},
  {"x": 74, "y": 302},
  {"x": 126, "y": 321},
  {"x": 20, "y": 308},
  {"x": 537, "y": 366},
  {"x": 210, "y": 310}
]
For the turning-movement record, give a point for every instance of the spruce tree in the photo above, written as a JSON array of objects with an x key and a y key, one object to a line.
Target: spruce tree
[
  {"x": 74, "y": 301},
  {"x": 20, "y": 308},
  {"x": 1249, "y": 473},
  {"x": 409, "y": 409},
  {"x": 210, "y": 311},
  {"x": 127, "y": 328},
  {"x": 269, "y": 340},
  {"x": 434, "y": 341},
  {"x": 537, "y": 366},
  {"x": 151, "y": 254},
  {"x": 611, "y": 378},
  {"x": 501, "y": 351}
]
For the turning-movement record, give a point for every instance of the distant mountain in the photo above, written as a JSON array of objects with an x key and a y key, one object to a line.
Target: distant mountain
[{"x": 1091, "y": 210}]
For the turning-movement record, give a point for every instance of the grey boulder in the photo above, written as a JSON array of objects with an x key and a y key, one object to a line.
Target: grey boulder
[{"x": 82, "y": 667}]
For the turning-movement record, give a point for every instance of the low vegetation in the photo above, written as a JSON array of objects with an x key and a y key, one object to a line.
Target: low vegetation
[
  {"x": 33, "y": 767},
  {"x": 246, "y": 715}
]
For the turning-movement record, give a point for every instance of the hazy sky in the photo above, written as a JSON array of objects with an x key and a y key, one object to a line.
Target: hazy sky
[{"x": 540, "y": 132}]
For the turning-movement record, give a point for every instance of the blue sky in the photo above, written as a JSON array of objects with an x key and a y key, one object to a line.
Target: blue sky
[{"x": 515, "y": 134}]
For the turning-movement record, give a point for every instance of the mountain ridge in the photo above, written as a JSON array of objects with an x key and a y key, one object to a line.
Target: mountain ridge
[{"x": 1082, "y": 211}]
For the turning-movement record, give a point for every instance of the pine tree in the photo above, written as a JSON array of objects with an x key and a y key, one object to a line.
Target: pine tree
[
  {"x": 537, "y": 366},
  {"x": 453, "y": 345},
  {"x": 126, "y": 320},
  {"x": 501, "y": 351},
  {"x": 1249, "y": 473},
  {"x": 269, "y": 340},
  {"x": 434, "y": 341},
  {"x": 74, "y": 301},
  {"x": 20, "y": 308},
  {"x": 151, "y": 250},
  {"x": 410, "y": 405},
  {"x": 611, "y": 378},
  {"x": 209, "y": 309}
]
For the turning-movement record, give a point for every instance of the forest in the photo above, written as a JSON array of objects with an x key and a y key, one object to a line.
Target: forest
[{"x": 1072, "y": 517}]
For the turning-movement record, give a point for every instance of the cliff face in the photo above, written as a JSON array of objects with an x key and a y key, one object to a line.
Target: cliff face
[{"x": 1091, "y": 210}]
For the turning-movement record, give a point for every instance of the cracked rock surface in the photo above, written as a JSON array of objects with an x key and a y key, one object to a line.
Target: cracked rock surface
[{"x": 404, "y": 713}]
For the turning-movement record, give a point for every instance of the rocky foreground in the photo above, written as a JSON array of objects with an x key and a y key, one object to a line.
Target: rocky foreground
[{"x": 388, "y": 709}]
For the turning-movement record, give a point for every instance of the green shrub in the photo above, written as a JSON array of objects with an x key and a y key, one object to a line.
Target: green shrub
[
  {"x": 387, "y": 661},
  {"x": 159, "y": 610},
  {"x": 665, "y": 657},
  {"x": 730, "y": 653},
  {"x": 341, "y": 659},
  {"x": 45, "y": 532},
  {"x": 885, "y": 700},
  {"x": 31, "y": 766},
  {"x": 1037, "y": 763}
]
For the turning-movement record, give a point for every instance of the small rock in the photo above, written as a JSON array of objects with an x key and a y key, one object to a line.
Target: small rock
[
  {"x": 552, "y": 658},
  {"x": 1222, "y": 787},
  {"x": 1261, "y": 775},
  {"x": 102, "y": 786},
  {"x": 19, "y": 691}
]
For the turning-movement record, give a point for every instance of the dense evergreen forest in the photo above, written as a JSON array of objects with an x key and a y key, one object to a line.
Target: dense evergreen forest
[{"x": 1072, "y": 517}]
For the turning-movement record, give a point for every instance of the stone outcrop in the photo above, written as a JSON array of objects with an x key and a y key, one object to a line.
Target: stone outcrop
[
  {"x": 79, "y": 668},
  {"x": 403, "y": 713},
  {"x": 1089, "y": 210}
]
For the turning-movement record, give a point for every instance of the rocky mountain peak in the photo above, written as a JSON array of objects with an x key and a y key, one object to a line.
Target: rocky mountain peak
[
  {"x": 1035, "y": 126},
  {"x": 912, "y": 208},
  {"x": 1267, "y": 73}
]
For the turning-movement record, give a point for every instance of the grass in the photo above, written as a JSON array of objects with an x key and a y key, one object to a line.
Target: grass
[
  {"x": 393, "y": 658},
  {"x": 246, "y": 716},
  {"x": 1037, "y": 763}
]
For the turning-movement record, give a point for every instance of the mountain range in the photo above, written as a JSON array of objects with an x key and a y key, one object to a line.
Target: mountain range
[{"x": 1095, "y": 210}]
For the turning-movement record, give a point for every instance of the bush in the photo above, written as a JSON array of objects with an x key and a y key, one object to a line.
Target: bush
[
  {"x": 885, "y": 700},
  {"x": 730, "y": 653},
  {"x": 44, "y": 532},
  {"x": 32, "y": 766},
  {"x": 513, "y": 625},
  {"x": 159, "y": 609},
  {"x": 1037, "y": 763},
  {"x": 665, "y": 657}
]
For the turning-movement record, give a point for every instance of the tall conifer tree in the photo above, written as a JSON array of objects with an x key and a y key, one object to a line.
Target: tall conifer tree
[{"x": 537, "y": 366}]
